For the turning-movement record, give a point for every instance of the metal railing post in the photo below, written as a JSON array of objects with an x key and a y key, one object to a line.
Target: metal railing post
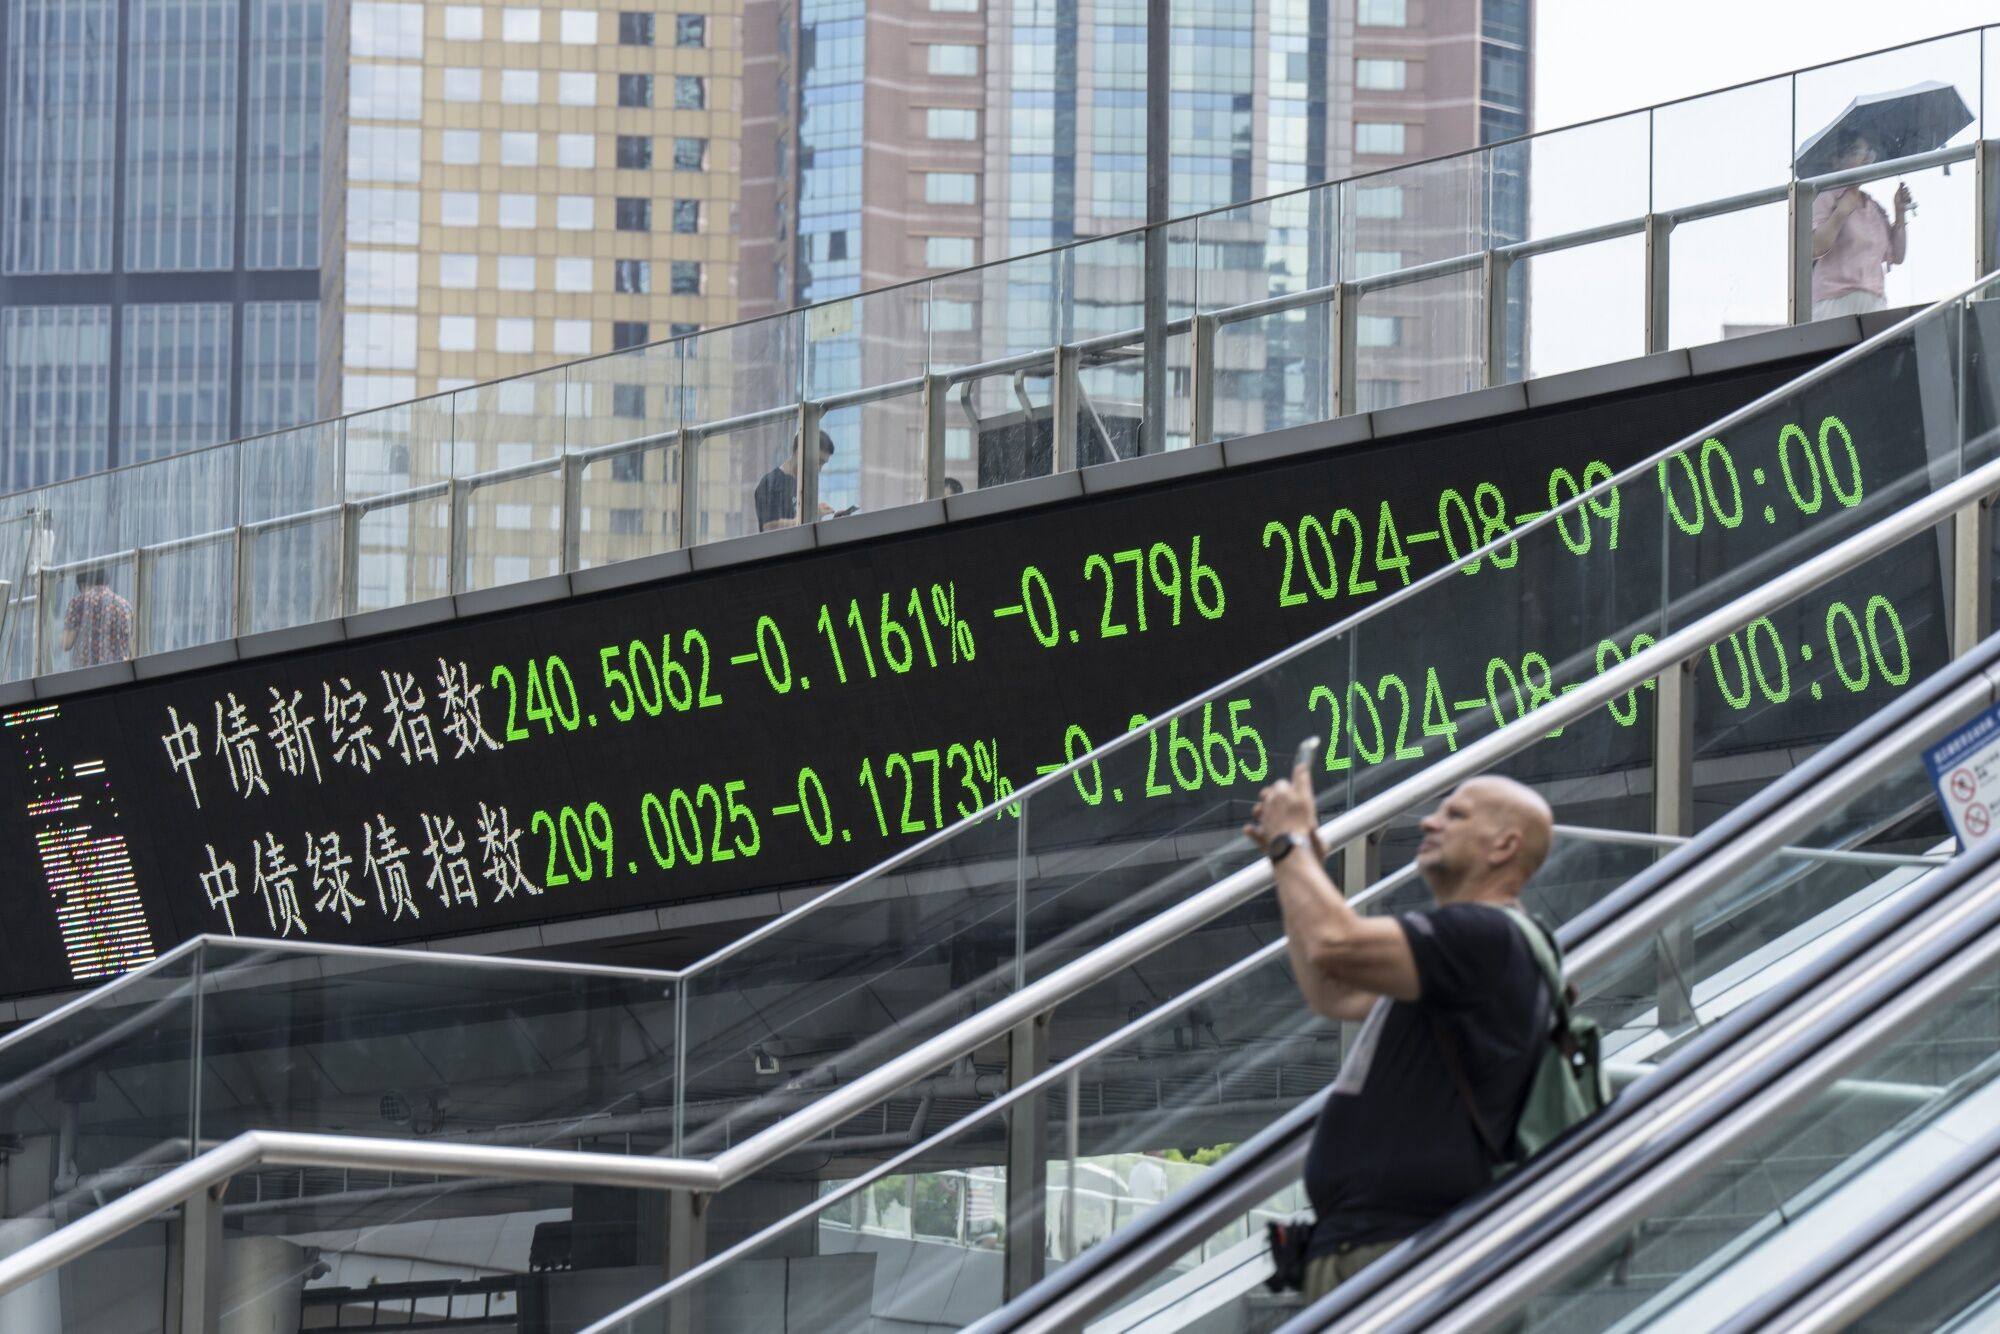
[
  {"x": 199, "y": 1273},
  {"x": 1201, "y": 387},
  {"x": 1360, "y": 863},
  {"x": 808, "y": 460},
  {"x": 687, "y": 494},
  {"x": 687, "y": 1246},
  {"x": 1971, "y": 576},
  {"x": 937, "y": 397},
  {"x": 348, "y": 594},
  {"x": 571, "y": 521},
  {"x": 458, "y": 534},
  {"x": 1025, "y": 1258},
  {"x": 1345, "y": 399},
  {"x": 1799, "y": 251},
  {"x": 143, "y": 561},
  {"x": 1493, "y": 271},
  {"x": 1673, "y": 813},
  {"x": 239, "y": 617},
  {"x": 42, "y": 583},
  {"x": 1063, "y": 404},
  {"x": 1659, "y": 248},
  {"x": 1986, "y": 207}
]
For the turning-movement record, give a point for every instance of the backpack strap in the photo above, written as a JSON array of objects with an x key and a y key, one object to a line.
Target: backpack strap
[
  {"x": 1449, "y": 1050},
  {"x": 1543, "y": 950}
]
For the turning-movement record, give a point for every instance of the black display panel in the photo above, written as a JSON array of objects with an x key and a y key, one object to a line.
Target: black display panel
[{"x": 794, "y": 722}]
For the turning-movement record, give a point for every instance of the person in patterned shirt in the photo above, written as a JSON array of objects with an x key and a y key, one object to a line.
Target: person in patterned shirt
[{"x": 97, "y": 626}]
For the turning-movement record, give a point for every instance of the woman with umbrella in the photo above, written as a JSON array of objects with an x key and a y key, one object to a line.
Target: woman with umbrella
[{"x": 1854, "y": 242}]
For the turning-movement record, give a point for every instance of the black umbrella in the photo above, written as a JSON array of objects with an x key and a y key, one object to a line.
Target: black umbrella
[{"x": 1897, "y": 124}]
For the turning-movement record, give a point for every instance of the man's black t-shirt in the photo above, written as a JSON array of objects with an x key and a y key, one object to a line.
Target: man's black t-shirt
[
  {"x": 777, "y": 497},
  {"x": 1394, "y": 1147}
]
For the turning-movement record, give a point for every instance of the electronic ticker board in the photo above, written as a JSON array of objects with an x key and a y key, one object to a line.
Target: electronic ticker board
[{"x": 794, "y": 722}]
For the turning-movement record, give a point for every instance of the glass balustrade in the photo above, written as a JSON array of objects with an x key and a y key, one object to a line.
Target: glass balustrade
[{"x": 1669, "y": 227}]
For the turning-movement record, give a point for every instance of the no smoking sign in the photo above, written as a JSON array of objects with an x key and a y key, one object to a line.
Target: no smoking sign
[{"x": 1966, "y": 769}]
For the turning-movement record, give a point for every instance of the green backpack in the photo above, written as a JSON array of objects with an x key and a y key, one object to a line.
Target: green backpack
[{"x": 1568, "y": 1083}]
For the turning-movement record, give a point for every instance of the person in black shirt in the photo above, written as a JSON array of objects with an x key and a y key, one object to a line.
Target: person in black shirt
[
  {"x": 1396, "y": 1146},
  {"x": 777, "y": 495}
]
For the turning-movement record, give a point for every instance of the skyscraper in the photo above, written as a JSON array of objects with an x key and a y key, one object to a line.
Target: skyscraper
[{"x": 160, "y": 226}]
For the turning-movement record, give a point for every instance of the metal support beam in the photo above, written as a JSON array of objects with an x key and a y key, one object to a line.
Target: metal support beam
[
  {"x": 1159, "y": 34},
  {"x": 1673, "y": 813},
  {"x": 1659, "y": 286},
  {"x": 808, "y": 460},
  {"x": 198, "y": 1276},
  {"x": 937, "y": 400},
  {"x": 1799, "y": 251},
  {"x": 687, "y": 490},
  {"x": 1202, "y": 381},
  {"x": 1971, "y": 576},
  {"x": 1027, "y": 1162},
  {"x": 1064, "y": 403},
  {"x": 1493, "y": 271}
]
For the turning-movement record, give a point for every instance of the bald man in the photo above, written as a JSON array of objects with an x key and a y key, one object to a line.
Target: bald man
[{"x": 1452, "y": 985}]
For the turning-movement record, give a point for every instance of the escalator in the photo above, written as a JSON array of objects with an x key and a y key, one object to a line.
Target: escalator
[{"x": 1042, "y": 980}]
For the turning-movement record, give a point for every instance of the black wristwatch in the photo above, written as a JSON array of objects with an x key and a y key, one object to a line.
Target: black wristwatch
[{"x": 1282, "y": 846}]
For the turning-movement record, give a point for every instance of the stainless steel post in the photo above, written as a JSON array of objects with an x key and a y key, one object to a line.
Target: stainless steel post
[
  {"x": 347, "y": 596},
  {"x": 687, "y": 1246},
  {"x": 143, "y": 562},
  {"x": 1971, "y": 576},
  {"x": 1027, "y": 1162},
  {"x": 1064, "y": 402},
  {"x": 937, "y": 396},
  {"x": 198, "y": 1238},
  {"x": 808, "y": 457},
  {"x": 570, "y": 523},
  {"x": 1493, "y": 271},
  {"x": 1659, "y": 249},
  {"x": 1159, "y": 19},
  {"x": 1799, "y": 250},
  {"x": 1345, "y": 400},
  {"x": 458, "y": 535},
  {"x": 1673, "y": 813},
  {"x": 1986, "y": 207},
  {"x": 687, "y": 451},
  {"x": 1202, "y": 381}
]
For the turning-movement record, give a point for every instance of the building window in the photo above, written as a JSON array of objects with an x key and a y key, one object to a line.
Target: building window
[
  {"x": 947, "y": 316},
  {"x": 690, "y": 155},
  {"x": 635, "y": 152},
  {"x": 461, "y": 85},
  {"x": 632, "y": 276},
  {"x": 690, "y": 30},
  {"x": 374, "y": 341},
  {"x": 951, "y": 123},
  {"x": 1370, "y": 263},
  {"x": 628, "y": 400},
  {"x": 950, "y": 187},
  {"x": 573, "y": 337},
  {"x": 517, "y": 212},
  {"x": 1382, "y": 13},
  {"x": 577, "y": 151},
  {"x": 459, "y": 208},
  {"x": 954, "y": 59},
  {"x": 1378, "y": 137},
  {"x": 520, "y": 148},
  {"x": 457, "y": 333},
  {"x": 576, "y": 213},
  {"x": 690, "y": 92},
  {"x": 1389, "y": 76},
  {"x": 1379, "y": 201},
  {"x": 382, "y": 217},
  {"x": 461, "y": 148},
  {"x": 573, "y": 275},
  {"x": 521, "y": 25},
  {"x": 513, "y": 335},
  {"x": 635, "y": 30},
  {"x": 948, "y": 252},
  {"x": 629, "y": 333},
  {"x": 394, "y": 30},
  {"x": 385, "y": 92},
  {"x": 381, "y": 278},
  {"x": 1376, "y": 330},
  {"x": 633, "y": 215},
  {"x": 520, "y": 87},
  {"x": 685, "y": 278},
  {"x": 635, "y": 90},
  {"x": 464, "y": 23},
  {"x": 577, "y": 89},
  {"x": 687, "y": 216},
  {"x": 458, "y": 271},
  {"x": 579, "y": 27},
  {"x": 516, "y": 273},
  {"x": 383, "y": 153},
  {"x": 954, "y": 6}
]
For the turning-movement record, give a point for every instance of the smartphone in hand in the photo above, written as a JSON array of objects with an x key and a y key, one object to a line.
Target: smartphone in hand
[{"x": 1304, "y": 754}]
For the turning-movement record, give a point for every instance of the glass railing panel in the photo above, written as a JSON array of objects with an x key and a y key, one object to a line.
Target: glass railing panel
[
  {"x": 394, "y": 1046},
  {"x": 509, "y": 527},
  {"x": 863, "y": 343},
  {"x": 181, "y": 515},
  {"x": 1108, "y": 297},
  {"x": 625, "y": 453},
  {"x": 398, "y": 464},
  {"x": 1722, "y": 144},
  {"x": 102, "y": 1100},
  {"x": 1768, "y": 1189},
  {"x": 121, "y": 1287},
  {"x": 1272, "y": 370},
  {"x": 730, "y": 374},
  {"x": 997, "y": 429},
  {"x": 292, "y": 499},
  {"x": 1418, "y": 341},
  {"x": 84, "y": 547},
  {"x": 1607, "y": 278}
]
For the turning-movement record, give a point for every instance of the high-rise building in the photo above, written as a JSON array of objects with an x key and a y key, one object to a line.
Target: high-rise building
[
  {"x": 160, "y": 226},
  {"x": 900, "y": 140}
]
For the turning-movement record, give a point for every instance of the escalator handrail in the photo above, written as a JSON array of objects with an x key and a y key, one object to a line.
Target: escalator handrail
[{"x": 1684, "y": 868}]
